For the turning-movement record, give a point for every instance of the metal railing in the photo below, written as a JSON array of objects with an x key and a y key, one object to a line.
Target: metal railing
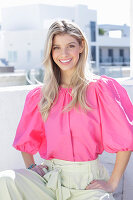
[
  {"x": 34, "y": 76},
  {"x": 120, "y": 61}
]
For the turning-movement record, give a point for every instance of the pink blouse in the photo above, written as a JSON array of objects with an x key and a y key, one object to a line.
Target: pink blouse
[{"x": 76, "y": 135}]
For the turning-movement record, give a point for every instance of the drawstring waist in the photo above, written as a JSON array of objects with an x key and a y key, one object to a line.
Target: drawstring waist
[
  {"x": 53, "y": 181},
  {"x": 62, "y": 176}
]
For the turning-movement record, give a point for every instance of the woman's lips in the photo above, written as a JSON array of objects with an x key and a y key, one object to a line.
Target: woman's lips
[{"x": 65, "y": 61}]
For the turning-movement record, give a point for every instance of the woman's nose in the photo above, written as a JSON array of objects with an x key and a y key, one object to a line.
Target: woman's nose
[{"x": 64, "y": 52}]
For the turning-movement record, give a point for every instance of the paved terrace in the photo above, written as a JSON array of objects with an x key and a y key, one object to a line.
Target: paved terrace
[{"x": 11, "y": 106}]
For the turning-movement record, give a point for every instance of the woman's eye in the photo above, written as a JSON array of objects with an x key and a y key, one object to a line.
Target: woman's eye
[
  {"x": 71, "y": 46},
  {"x": 54, "y": 48}
]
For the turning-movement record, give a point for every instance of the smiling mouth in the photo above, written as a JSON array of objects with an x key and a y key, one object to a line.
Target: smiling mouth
[{"x": 65, "y": 61}]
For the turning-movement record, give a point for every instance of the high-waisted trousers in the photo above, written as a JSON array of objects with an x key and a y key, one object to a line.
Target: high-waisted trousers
[{"x": 64, "y": 180}]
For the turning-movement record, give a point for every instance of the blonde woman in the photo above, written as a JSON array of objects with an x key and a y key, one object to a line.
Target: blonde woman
[{"x": 70, "y": 120}]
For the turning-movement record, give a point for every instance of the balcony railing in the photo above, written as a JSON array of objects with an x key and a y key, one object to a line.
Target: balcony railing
[{"x": 110, "y": 61}]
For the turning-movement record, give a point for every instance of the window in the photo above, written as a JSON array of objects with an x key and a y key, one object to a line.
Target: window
[
  {"x": 93, "y": 53},
  {"x": 121, "y": 53},
  {"x": 110, "y": 55},
  {"x": 15, "y": 56},
  {"x": 42, "y": 54},
  {"x": 28, "y": 56},
  {"x": 93, "y": 31},
  {"x": 100, "y": 55},
  {"x": 12, "y": 56},
  {"x": 115, "y": 34},
  {"x": 110, "y": 52}
]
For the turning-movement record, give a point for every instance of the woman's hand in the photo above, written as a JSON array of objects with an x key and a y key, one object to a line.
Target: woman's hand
[
  {"x": 122, "y": 158},
  {"x": 40, "y": 169},
  {"x": 101, "y": 184}
]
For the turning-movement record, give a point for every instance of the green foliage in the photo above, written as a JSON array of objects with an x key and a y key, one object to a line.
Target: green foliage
[{"x": 101, "y": 31}]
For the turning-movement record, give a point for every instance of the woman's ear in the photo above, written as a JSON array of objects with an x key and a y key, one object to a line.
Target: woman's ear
[{"x": 82, "y": 45}]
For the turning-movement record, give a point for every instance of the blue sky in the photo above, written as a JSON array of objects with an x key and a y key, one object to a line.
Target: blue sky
[{"x": 108, "y": 11}]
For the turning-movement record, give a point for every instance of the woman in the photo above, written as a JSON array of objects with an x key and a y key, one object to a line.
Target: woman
[{"x": 72, "y": 119}]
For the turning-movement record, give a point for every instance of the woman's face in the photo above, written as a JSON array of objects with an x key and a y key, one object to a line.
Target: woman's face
[{"x": 65, "y": 51}]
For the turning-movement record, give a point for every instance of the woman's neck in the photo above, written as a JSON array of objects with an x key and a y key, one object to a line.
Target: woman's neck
[
  {"x": 66, "y": 78},
  {"x": 65, "y": 85}
]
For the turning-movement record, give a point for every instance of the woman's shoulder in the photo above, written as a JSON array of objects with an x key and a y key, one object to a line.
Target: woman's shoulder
[
  {"x": 34, "y": 96},
  {"x": 35, "y": 92},
  {"x": 104, "y": 85},
  {"x": 99, "y": 79},
  {"x": 103, "y": 81}
]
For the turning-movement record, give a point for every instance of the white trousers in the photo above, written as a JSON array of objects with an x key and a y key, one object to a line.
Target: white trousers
[{"x": 64, "y": 180}]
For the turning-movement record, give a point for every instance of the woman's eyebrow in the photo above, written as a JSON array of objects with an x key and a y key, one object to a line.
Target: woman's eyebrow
[
  {"x": 55, "y": 45},
  {"x": 66, "y": 44},
  {"x": 72, "y": 42}
]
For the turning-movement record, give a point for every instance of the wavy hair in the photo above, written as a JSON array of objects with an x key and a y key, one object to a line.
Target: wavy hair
[{"x": 52, "y": 74}]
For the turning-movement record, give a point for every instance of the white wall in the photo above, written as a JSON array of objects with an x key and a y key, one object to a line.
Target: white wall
[
  {"x": 12, "y": 79},
  {"x": 11, "y": 106},
  {"x": 25, "y": 19},
  {"x": 31, "y": 17},
  {"x": 20, "y": 18},
  {"x": 21, "y": 42},
  {"x": 113, "y": 42},
  {"x": 125, "y": 30}
]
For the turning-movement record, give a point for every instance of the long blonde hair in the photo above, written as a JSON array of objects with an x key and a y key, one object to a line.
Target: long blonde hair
[{"x": 52, "y": 75}]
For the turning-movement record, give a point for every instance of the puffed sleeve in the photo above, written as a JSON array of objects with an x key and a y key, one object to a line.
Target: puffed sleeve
[
  {"x": 116, "y": 114},
  {"x": 30, "y": 134}
]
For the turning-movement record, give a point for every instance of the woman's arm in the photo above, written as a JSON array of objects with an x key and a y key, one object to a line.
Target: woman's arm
[
  {"x": 122, "y": 158},
  {"x": 28, "y": 159}
]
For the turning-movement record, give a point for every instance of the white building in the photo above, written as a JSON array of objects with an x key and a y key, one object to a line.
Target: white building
[
  {"x": 24, "y": 29},
  {"x": 114, "y": 51}
]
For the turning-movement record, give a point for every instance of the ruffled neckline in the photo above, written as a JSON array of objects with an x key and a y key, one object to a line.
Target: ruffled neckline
[{"x": 64, "y": 89}]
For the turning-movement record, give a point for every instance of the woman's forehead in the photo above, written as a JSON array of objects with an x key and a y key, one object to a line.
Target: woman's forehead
[{"x": 65, "y": 38}]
